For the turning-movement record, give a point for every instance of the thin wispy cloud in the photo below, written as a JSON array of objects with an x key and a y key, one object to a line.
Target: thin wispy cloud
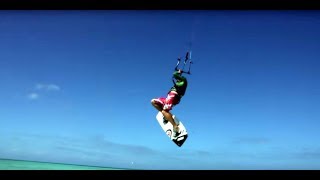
[
  {"x": 85, "y": 150},
  {"x": 252, "y": 140},
  {"x": 33, "y": 96},
  {"x": 99, "y": 151},
  {"x": 308, "y": 154},
  {"x": 47, "y": 87},
  {"x": 41, "y": 89}
]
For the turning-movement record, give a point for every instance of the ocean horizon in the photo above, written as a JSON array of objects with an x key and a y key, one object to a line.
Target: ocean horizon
[{"x": 15, "y": 164}]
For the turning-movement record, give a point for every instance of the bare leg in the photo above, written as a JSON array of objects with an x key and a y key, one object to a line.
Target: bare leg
[
  {"x": 156, "y": 105},
  {"x": 169, "y": 117}
]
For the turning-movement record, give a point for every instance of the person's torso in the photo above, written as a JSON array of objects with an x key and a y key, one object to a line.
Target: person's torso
[{"x": 181, "y": 90}]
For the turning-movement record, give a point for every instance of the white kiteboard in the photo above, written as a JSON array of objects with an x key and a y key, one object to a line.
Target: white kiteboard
[{"x": 168, "y": 129}]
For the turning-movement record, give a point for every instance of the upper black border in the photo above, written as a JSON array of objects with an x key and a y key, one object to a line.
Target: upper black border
[{"x": 159, "y": 5}]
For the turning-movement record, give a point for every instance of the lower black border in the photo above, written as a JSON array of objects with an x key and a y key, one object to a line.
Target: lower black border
[{"x": 166, "y": 174}]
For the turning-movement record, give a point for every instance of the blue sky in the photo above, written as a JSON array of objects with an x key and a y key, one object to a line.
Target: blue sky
[{"x": 76, "y": 88}]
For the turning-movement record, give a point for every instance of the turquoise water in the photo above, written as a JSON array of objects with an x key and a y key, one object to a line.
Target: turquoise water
[{"x": 8, "y": 164}]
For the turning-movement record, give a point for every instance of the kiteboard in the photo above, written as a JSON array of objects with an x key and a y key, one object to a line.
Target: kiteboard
[{"x": 168, "y": 129}]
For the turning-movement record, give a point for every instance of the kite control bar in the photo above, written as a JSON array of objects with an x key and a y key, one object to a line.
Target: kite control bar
[{"x": 188, "y": 57}]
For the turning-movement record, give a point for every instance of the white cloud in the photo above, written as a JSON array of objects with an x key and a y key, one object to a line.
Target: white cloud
[
  {"x": 33, "y": 96},
  {"x": 47, "y": 87},
  {"x": 53, "y": 87},
  {"x": 41, "y": 88}
]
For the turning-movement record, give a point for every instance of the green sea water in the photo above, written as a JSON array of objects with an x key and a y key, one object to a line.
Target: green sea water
[{"x": 8, "y": 164}]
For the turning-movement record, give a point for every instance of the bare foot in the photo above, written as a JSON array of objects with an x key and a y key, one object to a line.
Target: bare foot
[{"x": 176, "y": 130}]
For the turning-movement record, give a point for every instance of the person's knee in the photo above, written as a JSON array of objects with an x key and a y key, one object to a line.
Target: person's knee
[{"x": 153, "y": 101}]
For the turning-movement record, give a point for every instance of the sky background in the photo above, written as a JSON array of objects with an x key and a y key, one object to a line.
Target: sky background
[{"x": 76, "y": 88}]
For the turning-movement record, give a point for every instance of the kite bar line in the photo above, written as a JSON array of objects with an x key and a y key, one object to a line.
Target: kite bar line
[{"x": 188, "y": 57}]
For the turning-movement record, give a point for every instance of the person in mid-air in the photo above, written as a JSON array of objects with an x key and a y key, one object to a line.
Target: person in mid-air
[{"x": 177, "y": 91}]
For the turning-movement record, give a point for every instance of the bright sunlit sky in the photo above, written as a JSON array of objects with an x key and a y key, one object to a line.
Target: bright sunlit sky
[{"x": 76, "y": 88}]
